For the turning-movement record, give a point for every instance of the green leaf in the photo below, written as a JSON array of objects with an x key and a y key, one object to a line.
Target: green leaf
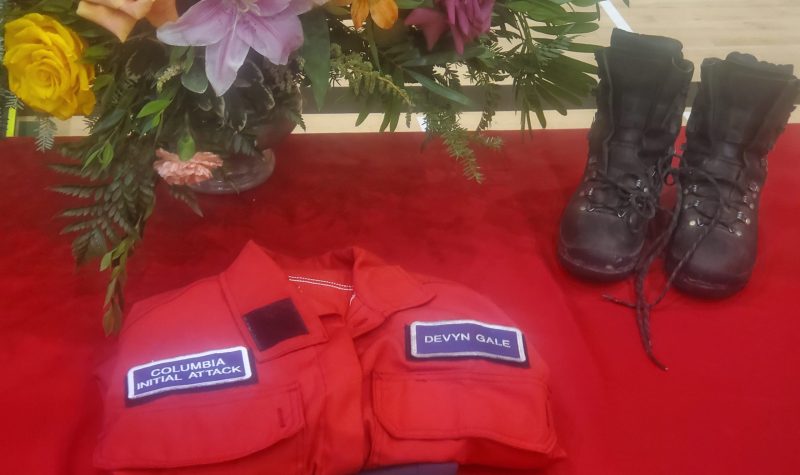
[
  {"x": 412, "y": 4},
  {"x": 97, "y": 244},
  {"x": 188, "y": 60},
  {"x": 105, "y": 262},
  {"x": 153, "y": 107},
  {"x": 539, "y": 11},
  {"x": 316, "y": 53},
  {"x": 558, "y": 91},
  {"x": 373, "y": 48},
  {"x": 579, "y": 17},
  {"x": 551, "y": 99},
  {"x": 570, "y": 29},
  {"x": 583, "y": 47},
  {"x": 177, "y": 52},
  {"x": 186, "y": 146},
  {"x": 102, "y": 81},
  {"x": 195, "y": 78},
  {"x": 96, "y": 52},
  {"x": 110, "y": 289},
  {"x": 112, "y": 318},
  {"x": 107, "y": 154},
  {"x": 78, "y": 191},
  {"x": 387, "y": 117},
  {"x": 108, "y": 121},
  {"x": 439, "y": 89},
  {"x": 364, "y": 113},
  {"x": 588, "y": 3},
  {"x": 186, "y": 195}
]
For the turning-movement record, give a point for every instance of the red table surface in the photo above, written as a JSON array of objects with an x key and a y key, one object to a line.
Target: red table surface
[{"x": 730, "y": 403}]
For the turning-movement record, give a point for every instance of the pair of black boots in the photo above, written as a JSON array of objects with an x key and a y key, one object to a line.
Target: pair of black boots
[{"x": 740, "y": 110}]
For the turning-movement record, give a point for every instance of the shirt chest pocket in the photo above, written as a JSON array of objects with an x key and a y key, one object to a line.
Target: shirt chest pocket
[{"x": 243, "y": 433}]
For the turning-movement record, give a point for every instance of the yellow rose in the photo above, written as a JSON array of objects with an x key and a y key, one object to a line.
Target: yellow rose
[{"x": 43, "y": 58}]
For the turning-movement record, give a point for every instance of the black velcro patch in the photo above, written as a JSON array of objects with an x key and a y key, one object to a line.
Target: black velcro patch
[{"x": 273, "y": 323}]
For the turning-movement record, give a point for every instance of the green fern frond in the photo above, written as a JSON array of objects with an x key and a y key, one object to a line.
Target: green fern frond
[
  {"x": 362, "y": 77},
  {"x": 186, "y": 195},
  {"x": 445, "y": 124},
  {"x": 80, "y": 212},
  {"x": 490, "y": 104},
  {"x": 545, "y": 52},
  {"x": 10, "y": 101},
  {"x": 77, "y": 191},
  {"x": 45, "y": 133}
]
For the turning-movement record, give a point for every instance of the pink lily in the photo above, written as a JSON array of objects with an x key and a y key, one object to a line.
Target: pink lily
[{"x": 229, "y": 28}]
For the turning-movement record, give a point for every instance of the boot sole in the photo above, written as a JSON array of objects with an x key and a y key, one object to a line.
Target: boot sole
[
  {"x": 705, "y": 289},
  {"x": 585, "y": 271}
]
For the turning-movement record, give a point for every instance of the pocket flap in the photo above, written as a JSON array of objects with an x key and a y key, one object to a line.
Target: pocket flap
[
  {"x": 180, "y": 435},
  {"x": 458, "y": 405}
]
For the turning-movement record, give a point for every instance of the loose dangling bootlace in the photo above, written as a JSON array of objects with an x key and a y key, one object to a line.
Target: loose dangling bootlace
[{"x": 642, "y": 269}]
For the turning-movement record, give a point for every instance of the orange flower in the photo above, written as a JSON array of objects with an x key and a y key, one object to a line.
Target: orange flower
[
  {"x": 383, "y": 12},
  {"x": 120, "y": 16}
]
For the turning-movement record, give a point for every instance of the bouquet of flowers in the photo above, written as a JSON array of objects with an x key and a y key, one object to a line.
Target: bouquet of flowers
[{"x": 174, "y": 87}]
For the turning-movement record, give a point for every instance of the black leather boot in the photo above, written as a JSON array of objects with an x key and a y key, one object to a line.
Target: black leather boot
[
  {"x": 640, "y": 99},
  {"x": 740, "y": 110}
]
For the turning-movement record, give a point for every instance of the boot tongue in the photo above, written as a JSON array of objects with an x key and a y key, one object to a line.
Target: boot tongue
[
  {"x": 636, "y": 81},
  {"x": 642, "y": 93},
  {"x": 749, "y": 60},
  {"x": 646, "y": 74},
  {"x": 744, "y": 94},
  {"x": 653, "y": 45}
]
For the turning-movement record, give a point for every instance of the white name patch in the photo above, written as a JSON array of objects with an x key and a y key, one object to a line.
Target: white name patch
[
  {"x": 466, "y": 338},
  {"x": 209, "y": 368}
]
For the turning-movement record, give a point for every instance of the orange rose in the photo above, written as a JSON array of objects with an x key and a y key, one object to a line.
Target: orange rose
[{"x": 120, "y": 16}]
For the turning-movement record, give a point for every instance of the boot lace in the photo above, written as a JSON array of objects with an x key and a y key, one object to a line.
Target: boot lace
[
  {"x": 641, "y": 304},
  {"x": 634, "y": 196}
]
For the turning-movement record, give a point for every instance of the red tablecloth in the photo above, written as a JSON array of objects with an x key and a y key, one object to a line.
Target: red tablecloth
[{"x": 730, "y": 403}]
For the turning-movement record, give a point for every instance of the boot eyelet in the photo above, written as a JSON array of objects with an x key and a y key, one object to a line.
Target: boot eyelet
[
  {"x": 692, "y": 222},
  {"x": 621, "y": 213},
  {"x": 752, "y": 206},
  {"x": 582, "y": 207},
  {"x": 743, "y": 218},
  {"x": 754, "y": 187}
]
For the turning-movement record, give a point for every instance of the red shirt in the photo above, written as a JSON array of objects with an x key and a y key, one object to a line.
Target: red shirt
[{"x": 321, "y": 366}]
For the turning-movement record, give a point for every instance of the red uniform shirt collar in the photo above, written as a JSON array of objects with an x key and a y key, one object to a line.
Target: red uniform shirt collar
[{"x": 257, "y": 278}]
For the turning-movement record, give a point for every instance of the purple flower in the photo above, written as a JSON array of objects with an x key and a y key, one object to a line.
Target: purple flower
[
  {"x": 466, "y": 19},
  {"x": 229, "y": 28}
]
